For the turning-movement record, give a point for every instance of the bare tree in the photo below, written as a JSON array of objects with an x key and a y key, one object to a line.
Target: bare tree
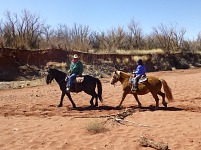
[
  {"x": 80, "y": 37},
  {"x": 103, "y": 41},
  {"x": 119, "y": 38},
  {"x": 111, "y": 40},
  {"x": 150, "y": 42},
  {"x": 94, "y": 40},
  {"x": 48, "y": 36},
  {"x": 28, "y": 31},
  {"x": 135, "y": 37},
  {"x": 22, "y": 32},
  {"x": 163, "y": 35},
  {"x": 1, "y": 34},
  {"x": 10, "y": 29},
  {"x": 62, "y": 37},
  {"x": 178, "y": 41},
  {"x": 195, "y": 45},
  {"x": 169, "y": 38},
  {"x": 198, "y": 42}
]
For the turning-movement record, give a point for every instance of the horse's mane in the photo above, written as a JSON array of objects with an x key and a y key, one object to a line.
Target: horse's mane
[
  {"x": 124, "y": 74},
  {"x": 58, "y": 70}
]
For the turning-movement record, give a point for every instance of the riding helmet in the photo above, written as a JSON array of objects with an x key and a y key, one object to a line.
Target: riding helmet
[{"x": 139, "y": 62}]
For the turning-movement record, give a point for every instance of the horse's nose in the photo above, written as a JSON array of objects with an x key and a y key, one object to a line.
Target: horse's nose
[
  {"x": 47, "y": 81},
  {"x": 112, "y": 81}
]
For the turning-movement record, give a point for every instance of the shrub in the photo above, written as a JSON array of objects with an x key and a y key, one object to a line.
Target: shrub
[{"x": 95, "y": 127}]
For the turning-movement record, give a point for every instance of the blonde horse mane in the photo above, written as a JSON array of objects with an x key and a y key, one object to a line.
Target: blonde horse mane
[{"x": 123, "y": 74}]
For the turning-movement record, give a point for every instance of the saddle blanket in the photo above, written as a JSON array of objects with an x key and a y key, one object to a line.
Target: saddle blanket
[
  {"x": 142, "y": 79},
  {"x": 79, "y": 79}
]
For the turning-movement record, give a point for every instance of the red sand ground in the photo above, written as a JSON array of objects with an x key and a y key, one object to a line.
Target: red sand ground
[{"x": 30, "y": 118}]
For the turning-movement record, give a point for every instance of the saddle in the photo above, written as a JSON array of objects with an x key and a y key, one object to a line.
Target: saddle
[
  {"x": 77, "y": 86},
  {"x": 79, "y": 79},
  {"x": 141, "y": 80}
]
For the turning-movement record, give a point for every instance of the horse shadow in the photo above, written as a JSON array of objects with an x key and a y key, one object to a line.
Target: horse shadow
[
  {"x": 152, "y": 108},
  {"x": 99, "y": 108},
  {"x": 108, "y": 108}
]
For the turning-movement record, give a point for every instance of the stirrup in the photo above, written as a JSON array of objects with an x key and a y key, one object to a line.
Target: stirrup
[
  {"x": 134, "y": 89},
  {"x": 68, "y": 89},
  {"x": 66, "y": 78}
]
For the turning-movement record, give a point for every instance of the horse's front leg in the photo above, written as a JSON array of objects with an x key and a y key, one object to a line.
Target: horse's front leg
[
  {"x": 61, "y": 100},
  {"x": 70, "y": 98},
  {"x": 122, "y": 99},
  {"x": 136, "y": 98}
]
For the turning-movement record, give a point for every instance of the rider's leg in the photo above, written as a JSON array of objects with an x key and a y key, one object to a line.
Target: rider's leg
[
  {"x": 70, "y": 81},
  {"x": 135, "y": 84}
]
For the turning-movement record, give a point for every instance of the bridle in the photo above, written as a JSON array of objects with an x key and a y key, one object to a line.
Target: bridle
[
  {"x": 49, "y": 77},
  {"x": 115, "y": 78}
]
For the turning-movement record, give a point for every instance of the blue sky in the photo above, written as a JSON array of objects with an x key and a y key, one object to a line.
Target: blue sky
[{"x": 105, "y": 14}]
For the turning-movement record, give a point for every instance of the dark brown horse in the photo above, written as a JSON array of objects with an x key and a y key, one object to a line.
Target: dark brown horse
[
  {"x": 152, "y": 85},
  {"x": 88, "y": 86}
]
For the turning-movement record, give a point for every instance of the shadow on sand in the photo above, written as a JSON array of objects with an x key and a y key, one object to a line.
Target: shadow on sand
[{"x": 107, "y": 108}]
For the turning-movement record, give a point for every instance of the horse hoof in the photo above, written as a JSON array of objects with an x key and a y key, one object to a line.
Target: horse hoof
[
  {"x": 118, "y": 107},
  {"x": 152, "y": 108},
  {"x": 140, "y": 106},
  {"x": 165, "y": 105}
]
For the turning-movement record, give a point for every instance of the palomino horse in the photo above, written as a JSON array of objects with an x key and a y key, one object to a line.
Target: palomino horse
[
  {"x": 152, "y": 85},
  {"x": 88, "y": 86}
]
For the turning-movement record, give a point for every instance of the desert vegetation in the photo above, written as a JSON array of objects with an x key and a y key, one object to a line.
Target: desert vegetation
[
  {"x": 95, "y": 126},
  {"x": 29, "y": 31},
  {"x": 28, "y": 45}
]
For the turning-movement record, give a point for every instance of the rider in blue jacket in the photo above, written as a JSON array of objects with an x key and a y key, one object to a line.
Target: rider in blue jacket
[{"x": 138, "y": 73}]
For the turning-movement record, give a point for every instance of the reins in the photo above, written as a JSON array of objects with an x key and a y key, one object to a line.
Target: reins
[
  {"x": 116, "y": 84},
  {"x": 118, "y": 79}
]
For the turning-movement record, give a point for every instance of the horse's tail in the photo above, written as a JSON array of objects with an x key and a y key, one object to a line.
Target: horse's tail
[
  {"x": 99, "y": 90},
  {"x": 167, "y": 90}
]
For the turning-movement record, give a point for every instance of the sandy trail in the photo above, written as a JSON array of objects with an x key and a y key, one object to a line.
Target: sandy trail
[{"x": 30, "y": 118}]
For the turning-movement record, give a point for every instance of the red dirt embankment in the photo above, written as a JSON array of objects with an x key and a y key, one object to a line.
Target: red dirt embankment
[{"x": 15, "y": 63}]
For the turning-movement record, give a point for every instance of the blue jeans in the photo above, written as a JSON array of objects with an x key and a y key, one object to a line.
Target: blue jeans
[
  {"x": 136, "y": 80},
  {"x": 71, "y": 79}
]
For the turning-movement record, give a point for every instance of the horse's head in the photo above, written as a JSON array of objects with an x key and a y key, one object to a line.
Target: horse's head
[
  {"x": 115, "y": 77},
  {"x": 50, "y": 76}
]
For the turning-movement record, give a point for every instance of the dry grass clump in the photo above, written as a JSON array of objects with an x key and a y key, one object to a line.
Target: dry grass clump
[
  {"x": 146, "y": 142},
  {"x": 152, "y": 51},
  {"x": 95, "y": 127},
  {"x": 58, "y": 65}
]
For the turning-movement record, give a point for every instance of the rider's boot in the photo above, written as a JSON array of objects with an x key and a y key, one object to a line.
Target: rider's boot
[{"x": 68, "y": 89}]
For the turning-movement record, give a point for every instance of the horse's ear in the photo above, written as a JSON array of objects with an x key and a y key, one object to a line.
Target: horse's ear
[
  {"x": 45, "y": 71},
  {"x": 116, "y": 66},
  {"x": 118, "y": 72}
]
